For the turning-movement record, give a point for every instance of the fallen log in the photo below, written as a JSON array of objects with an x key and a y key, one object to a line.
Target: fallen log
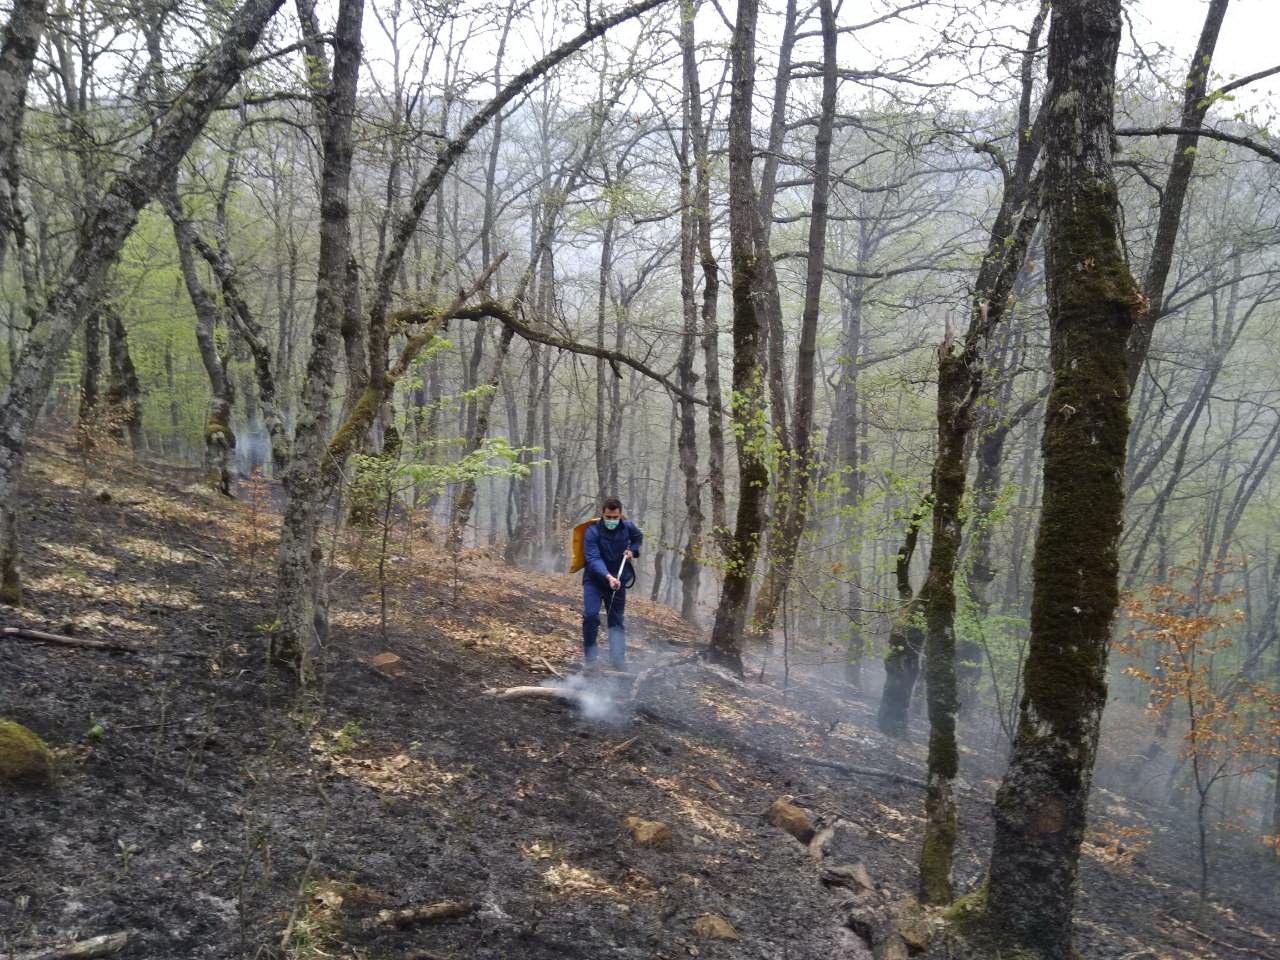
[
  {"x": 26, "y": 633},
  {"x": 102, "y": 946},
  {"x": 536, "y": 693},
  {"x": 421, "y": 913}
]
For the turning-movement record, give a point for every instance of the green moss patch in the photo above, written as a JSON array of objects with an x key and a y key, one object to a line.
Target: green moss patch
[{"x": 24, "y": 757}]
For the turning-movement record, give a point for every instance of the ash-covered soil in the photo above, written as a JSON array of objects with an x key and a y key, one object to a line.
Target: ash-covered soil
[{"x": 210, "y": 809}]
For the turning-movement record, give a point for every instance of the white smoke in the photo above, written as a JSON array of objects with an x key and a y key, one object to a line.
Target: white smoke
[{"x": 594, "y": 696}]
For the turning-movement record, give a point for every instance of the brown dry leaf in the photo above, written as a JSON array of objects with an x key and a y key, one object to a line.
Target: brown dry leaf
[
  {"x": 389, "y": 663},
  {"x": 566, "y": 878},
  {"x": 539, "y": 850},
  {"x": 399, "y": 774}
]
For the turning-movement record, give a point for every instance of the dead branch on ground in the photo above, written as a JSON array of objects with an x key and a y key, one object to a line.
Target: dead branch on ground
[
  {"x": 421, "y": 913},
  {"x": 26, "y": 633},
  {"x": 102, "y": 946}
]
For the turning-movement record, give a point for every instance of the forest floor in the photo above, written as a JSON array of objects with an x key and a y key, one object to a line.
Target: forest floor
[{"x": 209, "y": 809}]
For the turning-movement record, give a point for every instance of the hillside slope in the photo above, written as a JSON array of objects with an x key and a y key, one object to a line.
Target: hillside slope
[{"x": 209, "y": 809}]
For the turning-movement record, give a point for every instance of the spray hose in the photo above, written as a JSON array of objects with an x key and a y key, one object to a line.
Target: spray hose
[{"x": 626, "y": 575}]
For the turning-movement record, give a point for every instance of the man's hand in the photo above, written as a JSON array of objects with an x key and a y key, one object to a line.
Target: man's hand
[
  {"x": 614, "y": 582},
  {"x": 628, "y": 554}
]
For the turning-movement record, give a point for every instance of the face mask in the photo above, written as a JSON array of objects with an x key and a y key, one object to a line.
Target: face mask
[{"x": 611, "y": 524}]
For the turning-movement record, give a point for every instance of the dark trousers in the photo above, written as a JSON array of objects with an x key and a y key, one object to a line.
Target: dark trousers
[{"x": 594, "y": 596}]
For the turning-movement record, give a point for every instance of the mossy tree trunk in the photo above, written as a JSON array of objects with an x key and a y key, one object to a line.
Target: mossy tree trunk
[
  {"x": 988, "y": 477},
  {"x": 1093, "y": 304},
  {"x": 906, "y": 639},
  {"x": 848, "y": 458},
  {"x": 748, "y": 405},
  {"x": 961, "y": 382}
]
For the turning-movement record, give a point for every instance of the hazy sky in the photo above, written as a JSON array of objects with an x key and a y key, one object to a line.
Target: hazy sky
[{"x": 1246, "y": 44}]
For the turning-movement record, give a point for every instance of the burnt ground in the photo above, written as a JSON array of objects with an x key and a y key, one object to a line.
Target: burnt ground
[{"x": 212, "y": 810}]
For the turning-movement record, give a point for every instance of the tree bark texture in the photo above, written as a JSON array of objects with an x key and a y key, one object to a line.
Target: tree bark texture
[
  {"x": 796, "y": 474},
  {"x": 18, "y": 44},
  {"x": 1172, "y": 199},
  {"x": 219, "y": 439},
  {"x": 960, "y": 384},
  {"x": 300, "y": 587},
  {"x": 124, "y": 392},
  {"x": 710, "y": 331},
  {"x": 690, "y": 214},
  {"x": 748, "y": 406},
  {"x": 268, "y": 371},
  {"x": 906, "y": 639},
  {"x": 1093, "y": 305},
  {"x": 111, "y": 222},
  {"x": 90, "y": 374}
]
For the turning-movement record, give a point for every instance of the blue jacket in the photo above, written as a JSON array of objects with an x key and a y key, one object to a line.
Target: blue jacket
[{"x": 603, "y": 549}]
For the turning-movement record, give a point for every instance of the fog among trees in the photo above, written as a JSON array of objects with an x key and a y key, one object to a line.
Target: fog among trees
[{"x": 931, "y": 345}]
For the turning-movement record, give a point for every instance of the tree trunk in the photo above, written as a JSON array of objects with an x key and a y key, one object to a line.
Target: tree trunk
[
  {"x": 1093, "y": 303},
  {"x": 659, "y": 556},
  {"x": 1275, "y": 804},
  {"x": 301, "y": 591},
  {"x": 961, "y": 383},
  {"x": 748, "y": 408},
  {"x": 20, "y": 41},
  {"x": 483, "y": 408},
  {"x": 844, "y": 429},
  {"x": 90, "y": 374},
  {"x": 690, "y": 569},
  {"x": 906, "y": 640},
  {"x": 797, "y": 471},
  {"x": 710, "y": 300},
  {"x": 124, "y": 392},
  {"x": 1173, "y": 197},
  {"x": 605, "y": 454},
  {"x": 112, "y": 221},
  {"x": 219, "y": 440}
]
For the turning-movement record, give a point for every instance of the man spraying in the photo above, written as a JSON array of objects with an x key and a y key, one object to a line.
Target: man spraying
[{"x": 609, "y": 545}]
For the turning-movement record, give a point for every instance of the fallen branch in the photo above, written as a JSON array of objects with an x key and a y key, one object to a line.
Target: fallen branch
[
  {"x": 102, "y": 946},
  {"x": 547, "y": 663},
  {"x": 536, "y": 693},
  {"x": 422, "y": 913},
  {"x": 1214, "y": 940},
  {"x": 205, "y": 553},
  {"x": 618, "y": 749},
  {"x": 25, "y": 633}
]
